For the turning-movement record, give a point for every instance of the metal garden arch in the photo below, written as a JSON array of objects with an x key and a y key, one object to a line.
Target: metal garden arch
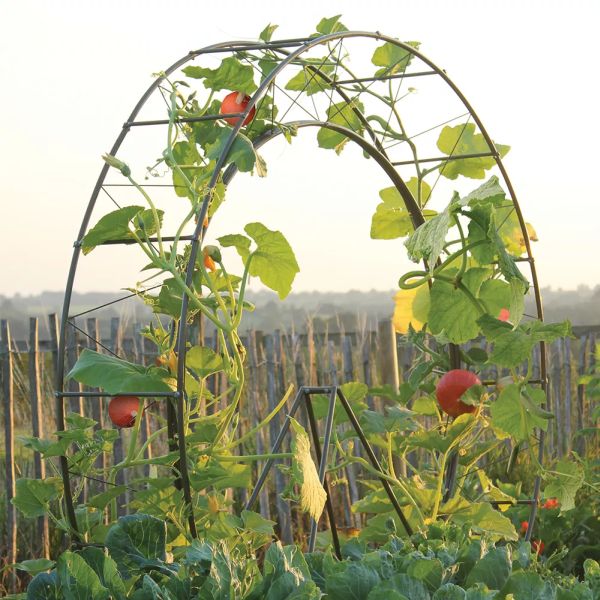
[{"x": 288, "y": 50}]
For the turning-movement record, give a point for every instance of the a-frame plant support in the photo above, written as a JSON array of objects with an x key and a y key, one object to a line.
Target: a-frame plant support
[{"x": 334, "y": 393}]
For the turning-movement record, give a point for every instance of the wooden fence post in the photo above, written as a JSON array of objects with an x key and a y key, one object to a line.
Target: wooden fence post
[
  {"x": 348, "y": 362},
  {"x": 283, "y": 510},
  {"x": 118, "y": 452},
  {"x": 75, "y": 403},
  {"x": 96, "y": 405},
  {"x": 9, "y": 445},
  {"x": 254, "y": 396},
  {"x": 388, "y": 354},
  {"x": 581, "y": 370},
  {"x": 566, "y": 368},
  {"x": 367, "y": 368},
  {"x": 556, "y": 397},
  {"x": 53, "y": 328},
  {"x": 37, "y": 428}
]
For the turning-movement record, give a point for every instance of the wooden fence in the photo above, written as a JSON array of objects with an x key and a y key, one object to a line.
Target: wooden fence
[{"x": 274, "y": 361}]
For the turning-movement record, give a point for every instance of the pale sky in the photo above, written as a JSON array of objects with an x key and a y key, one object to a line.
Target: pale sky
[{"x": 71, "y": 72}]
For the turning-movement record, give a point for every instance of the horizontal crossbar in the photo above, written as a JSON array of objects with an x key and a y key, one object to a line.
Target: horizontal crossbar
[
  {"x": 105, "y": 395},
  {"x": 291, "y": 43},
  {"x": 182, "y": 120},
  {"x": 181, "y": 238},
  {"x": 385, "y": 77},
  {"x": 445, "y": 158}
]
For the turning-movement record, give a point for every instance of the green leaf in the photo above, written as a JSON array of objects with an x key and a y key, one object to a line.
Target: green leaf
[
  {"x": 115, "y": 375},
  {"x": 33, "y": 496},
  {"x": 187, "y": 157},
  {"x": 241, "y": 152},
  {"x": 391, "y": 220},
  {"x": 47, "y": 448},
  {"x": 77, "y": 421},
  {"x": 240, "y": 242},
  {"x": 511, "y": 349},
  {"x": 354, "y": 392},
  {"x": 44, "y": 586},
  {"x": 113, "y": 226},
  {"x": 204, "y": 361},
  {"x": 331, "y": 25},
  {"x": 449, "y": 591},
  {"x": 342, "y": 113},
  {"x": 385, "y": 594},
  {"x": 374, "y": 502},
  {"x": 528, "y": 586},
  {"x": 591, "y": 569},
  {"x": 231, "y": 74},
  {"x": 309, "y": 80},
  {"x": 273, "y": 261},
  {"x": 220, "y": 477},
  {"x": 352, "y": 582},
  {"x": 549, "y": 332},
  {"x": 35, "y": 566},
  {"x": 429, "y": 571},
  {"x": 493, "y": 569},
  {"x": 517, "y": 300},
  {"x": 257, "y": 523},
  {"x": 78, "y": 580},
  {"x": 564, "y": 483},
  {"x": 495, "y": 295},
  {"x": 266, "y": 65},
  {"x": 393, "y": 58},
  {"x": 507, "y": 264},
  {"x": 430, "y": 440},
  {"x": 304, "y": 473},
  {"x": 452, "y": 313},
  {"x": 425, "y": 405},
  {"x": 462, "y": 139},
  {"x": 137, "y": 541},
  {"x": 106, "y": 569},
  {"x": 479, "y": 225},
  {"x": 101, "y": 501},
  {"x": 488, "y": 193},
  {"x": 425, "y": 192},
  {"x": 399, "y": 586},
  {"x": 267, "y": 32},
  {"x": 480, "y": 517},
  {"x": 517, "y": 411},
  {"x": 205, "y": 133},
  {"x": 427, "y": 241},
  {"x": 493, "y": 328}
]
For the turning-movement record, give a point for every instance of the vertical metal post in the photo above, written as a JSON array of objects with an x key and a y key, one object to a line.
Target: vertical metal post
[{"x": 324, "y": 453}]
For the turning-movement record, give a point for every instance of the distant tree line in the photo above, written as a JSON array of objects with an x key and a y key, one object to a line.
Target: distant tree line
[{"x": 329, "y": 311}]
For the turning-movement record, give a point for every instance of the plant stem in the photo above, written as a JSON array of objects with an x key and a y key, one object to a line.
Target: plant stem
[{"x": 264, "y": 422}]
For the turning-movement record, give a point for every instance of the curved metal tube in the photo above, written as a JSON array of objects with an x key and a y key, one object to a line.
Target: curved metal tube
[{"x": 377, "y": 152}]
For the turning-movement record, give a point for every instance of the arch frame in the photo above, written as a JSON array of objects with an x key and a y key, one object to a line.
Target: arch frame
[{"x": 293, "y": 48}]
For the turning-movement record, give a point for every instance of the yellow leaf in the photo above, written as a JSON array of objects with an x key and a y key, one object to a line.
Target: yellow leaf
[
  {"x": 411, "y": 306},
  {"x": 312, "y": 493}
]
